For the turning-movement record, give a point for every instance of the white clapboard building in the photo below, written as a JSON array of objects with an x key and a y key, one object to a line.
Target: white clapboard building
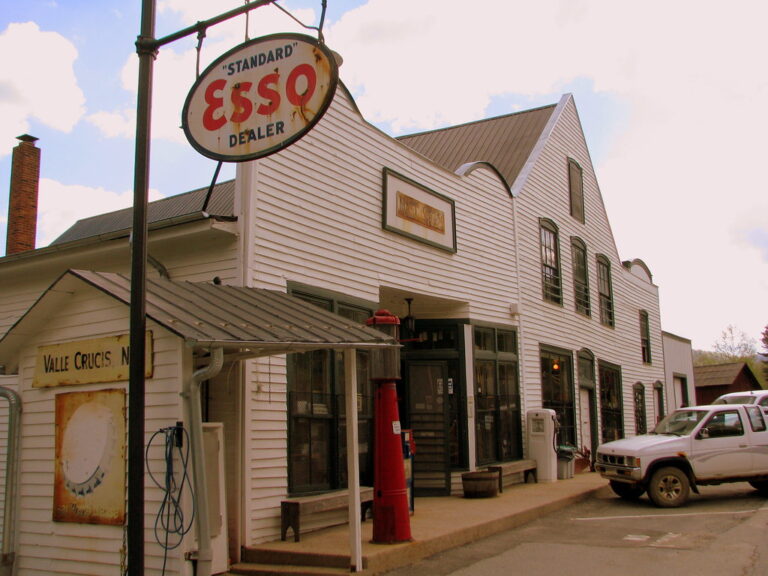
[{"x": 490, "y": 241}]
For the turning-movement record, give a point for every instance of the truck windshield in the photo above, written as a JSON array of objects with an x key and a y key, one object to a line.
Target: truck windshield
[{"x": 680, "y": 422}]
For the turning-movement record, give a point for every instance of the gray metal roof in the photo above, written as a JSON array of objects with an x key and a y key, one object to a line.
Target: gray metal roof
[
  {"x": 182, "y": 206},
  {"x": 505, "y": 142},
  {"x": 252, "y": 321}
]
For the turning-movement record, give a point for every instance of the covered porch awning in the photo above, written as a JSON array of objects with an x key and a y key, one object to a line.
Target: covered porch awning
[{"x": 242, "y": 322}]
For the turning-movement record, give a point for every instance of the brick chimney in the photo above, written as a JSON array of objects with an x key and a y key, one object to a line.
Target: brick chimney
[{"x": 22, "y": 204}]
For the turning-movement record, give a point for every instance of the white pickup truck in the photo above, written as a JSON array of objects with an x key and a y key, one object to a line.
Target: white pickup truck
[{"x": 690, "y": 447}]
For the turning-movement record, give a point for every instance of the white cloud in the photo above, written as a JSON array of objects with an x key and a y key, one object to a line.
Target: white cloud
[
  {"x": 37, "y": 83},
  {"x": 61, "y": 205},
  {"x": 117, "y": 124}
]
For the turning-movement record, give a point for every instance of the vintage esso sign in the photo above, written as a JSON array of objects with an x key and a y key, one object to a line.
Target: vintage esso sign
[{"x": 260, "y": 97}]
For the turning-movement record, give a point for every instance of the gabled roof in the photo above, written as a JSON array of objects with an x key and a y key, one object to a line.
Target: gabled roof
[
  {"x": 505, "y": 142},
  {"x": 252, "y": 321},
  {"x": 722, "y": 374},
  {"x": 187, "y": 206}
]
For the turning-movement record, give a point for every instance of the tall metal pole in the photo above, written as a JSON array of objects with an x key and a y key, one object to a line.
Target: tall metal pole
[{"x": 146, "y": 49}]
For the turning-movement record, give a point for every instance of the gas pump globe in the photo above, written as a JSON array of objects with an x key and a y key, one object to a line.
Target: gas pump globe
[{"x": 391, "y": 512}]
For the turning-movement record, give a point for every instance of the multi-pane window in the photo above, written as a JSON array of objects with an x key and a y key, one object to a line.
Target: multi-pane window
[
  {"x": 580, "y": 277},
  {"x": 550, "y": 262},
  {"x": 641, "y": 426},
  {"x": 605, "y": 289},
  {"x": 576, "y": 189},
  {"x": 557, "y": 392},
  {"x": 645, "y": 337},
  {"x": 497, "y": 396},
  {"x": 317, "y": 448},
  {"x": 611, "y": 405}
]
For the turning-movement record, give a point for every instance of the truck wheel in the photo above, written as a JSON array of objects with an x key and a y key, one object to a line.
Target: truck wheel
[
  {"x": 669, "y": 487},
  {"x": 760, "y": 485},
  {"x": 627, "y": 491}
]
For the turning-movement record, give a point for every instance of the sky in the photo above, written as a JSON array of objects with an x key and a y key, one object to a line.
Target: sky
[{"x": 671, "y": 95}]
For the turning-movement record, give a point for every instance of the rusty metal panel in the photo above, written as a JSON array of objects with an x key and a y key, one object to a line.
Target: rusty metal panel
[{"x": 89, "y": 471}]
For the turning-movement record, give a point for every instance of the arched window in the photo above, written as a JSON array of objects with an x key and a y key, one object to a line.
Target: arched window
[
  {"x": 580, "y": 277},
  {"x": 605, "y": 288},
  {"x": 641, "y": 425},
  {"x": 550, "y": 262},
  {"x": 645, "y": 337}
]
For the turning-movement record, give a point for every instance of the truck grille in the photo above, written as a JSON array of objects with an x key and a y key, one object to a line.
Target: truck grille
[{"x": 612, "y": 459}]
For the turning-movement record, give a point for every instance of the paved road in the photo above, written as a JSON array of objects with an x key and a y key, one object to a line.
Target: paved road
[{"x": 723, "y": 532}]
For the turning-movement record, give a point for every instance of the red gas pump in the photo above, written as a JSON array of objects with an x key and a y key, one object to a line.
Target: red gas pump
[{"x": 391, "y": 517}]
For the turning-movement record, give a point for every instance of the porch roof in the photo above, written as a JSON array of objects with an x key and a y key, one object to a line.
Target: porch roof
[{"x": 251, "y": 321}]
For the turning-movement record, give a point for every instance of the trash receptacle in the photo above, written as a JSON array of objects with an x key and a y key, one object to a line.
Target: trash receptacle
[{"x": 565, "y": 457}]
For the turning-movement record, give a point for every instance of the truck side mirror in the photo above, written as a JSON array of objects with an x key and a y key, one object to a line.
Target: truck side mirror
[{"x": 703, "y": 434}]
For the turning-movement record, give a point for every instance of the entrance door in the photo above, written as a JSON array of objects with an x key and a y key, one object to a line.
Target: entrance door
[
  {"x": 428, "y": 412},
  {"x": 585, "y": 417}
]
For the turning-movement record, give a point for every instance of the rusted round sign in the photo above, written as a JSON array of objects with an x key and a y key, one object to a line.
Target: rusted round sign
[{"x": 260, "y": 97}]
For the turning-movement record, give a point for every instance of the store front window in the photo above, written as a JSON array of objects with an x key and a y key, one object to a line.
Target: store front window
[
  {"x": 497, "y": 396},
  {"x": 317, "y": 448},
  {"x": 611, "y": 404},
  {"x": 557, "y": 391}
]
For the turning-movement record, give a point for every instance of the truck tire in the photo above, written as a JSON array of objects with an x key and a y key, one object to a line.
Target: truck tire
[
  {"x": 627, "y": 491},
  {"x": 760, "y": 485},
  {"x": 669, "y": 487}
]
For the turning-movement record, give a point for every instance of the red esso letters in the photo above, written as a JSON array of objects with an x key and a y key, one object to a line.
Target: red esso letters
[{"x": 264, "y": 99}]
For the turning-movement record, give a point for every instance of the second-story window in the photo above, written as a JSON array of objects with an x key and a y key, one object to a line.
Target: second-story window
[
  {"x": 606, "y": 291},
  {"x": 550, "y": 262},
  {"x": 645, "y": 337},
  {"x": 580, "y": 277},
  {"x": 576, "y": 189}
]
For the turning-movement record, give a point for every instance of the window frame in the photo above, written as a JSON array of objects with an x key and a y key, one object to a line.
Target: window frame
[
  {"x": 581, "y": 293},
  {"x": 325, "y": 421},
  {"x": 645, "y": 337},
  {"x": 496, "y": 349},
  {"x": 605, "y": 290},
  {"x": 576, "y": 190},
  {"x": 551, "y": 269}
]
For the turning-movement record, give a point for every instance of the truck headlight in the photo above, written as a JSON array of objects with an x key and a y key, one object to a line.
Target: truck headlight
[{"x": 632, "y": 461}]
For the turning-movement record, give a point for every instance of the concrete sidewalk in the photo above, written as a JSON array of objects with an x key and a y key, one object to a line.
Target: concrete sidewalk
[{"x": 438, "y": 524}]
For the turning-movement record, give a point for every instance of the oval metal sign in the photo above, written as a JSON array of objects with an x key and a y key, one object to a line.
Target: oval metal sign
[{"x": 260, "y": 97}]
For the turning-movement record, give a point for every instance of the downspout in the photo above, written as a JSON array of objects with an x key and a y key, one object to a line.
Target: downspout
[
  {"x": 191, "y": 397},
  {"x": 9, "y": 520}
]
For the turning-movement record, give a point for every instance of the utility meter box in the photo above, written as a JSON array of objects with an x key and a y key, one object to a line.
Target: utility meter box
[{"x": 541, "y": 443}]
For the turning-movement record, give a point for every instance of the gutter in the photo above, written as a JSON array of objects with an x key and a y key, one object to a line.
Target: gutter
[
  {"x": 9, "y": 519},
  {"x": 191, "y": 398}
]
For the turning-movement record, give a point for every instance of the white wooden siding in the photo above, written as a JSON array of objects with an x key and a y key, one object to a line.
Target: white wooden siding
[
  {"x": 545, "y": 195},
  {"x": 45, "y": 547}
]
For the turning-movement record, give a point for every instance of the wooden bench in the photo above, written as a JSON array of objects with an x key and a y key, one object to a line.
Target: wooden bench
[
  {"x": 509, "y": 470},
  {"x": 292, "y": 509}
]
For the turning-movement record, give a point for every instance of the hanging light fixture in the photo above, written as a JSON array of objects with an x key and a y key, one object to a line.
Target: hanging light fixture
[{"x": 409, "y": 322}]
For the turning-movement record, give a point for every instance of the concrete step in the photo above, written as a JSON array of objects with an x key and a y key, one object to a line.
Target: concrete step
[
  {"x": 294, "y": 558},
  {"x": 257, "y": 569}
]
